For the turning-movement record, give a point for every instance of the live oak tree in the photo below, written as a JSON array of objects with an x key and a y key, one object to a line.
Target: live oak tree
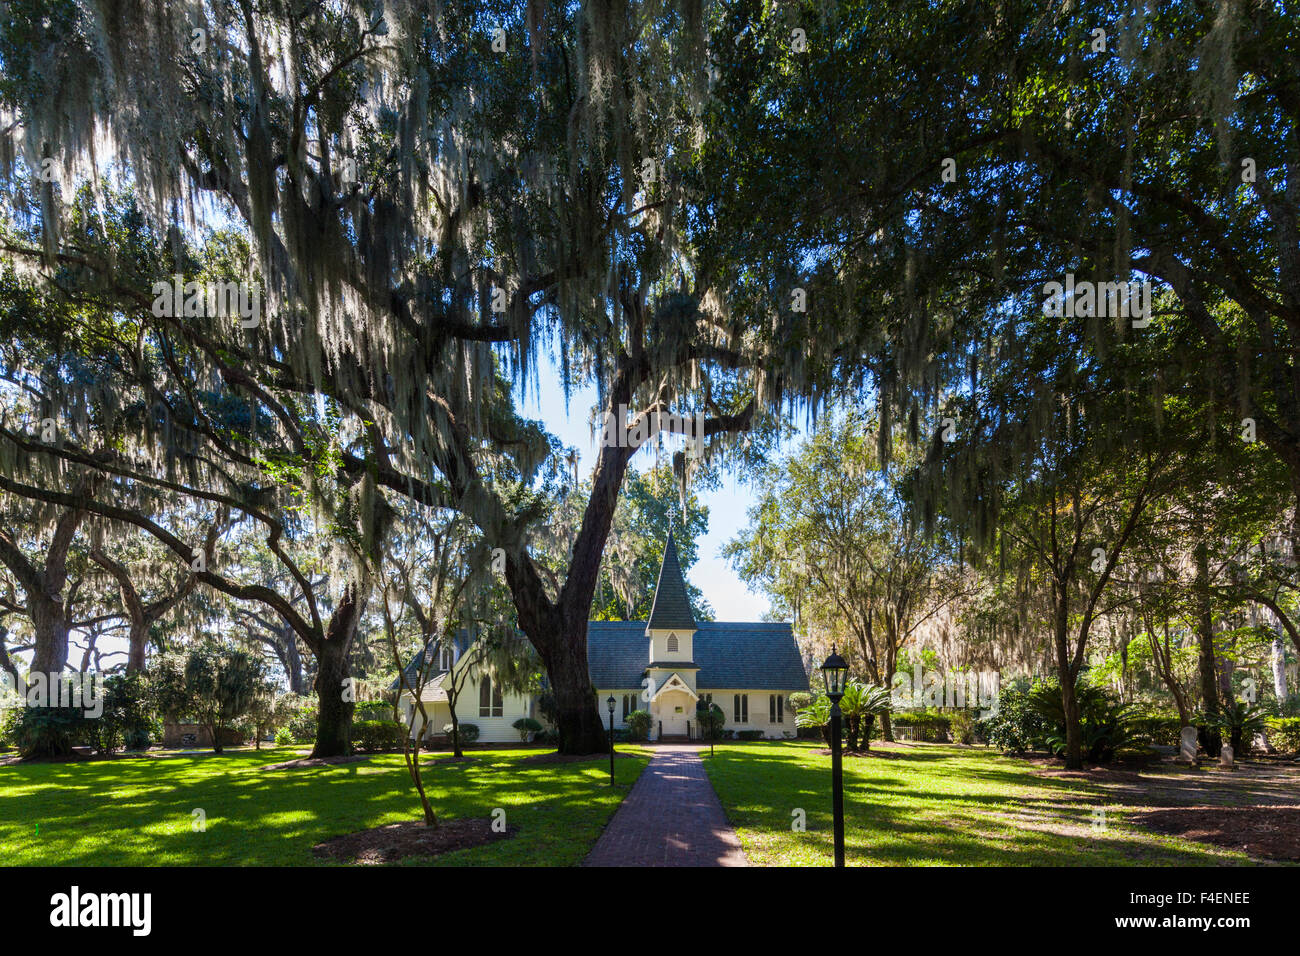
[
  {"x": 648, "y": 509},
  {"x": 130, "y": 572},
  {"x": 427, "y": 212},
  {"x": 1108, "y": 143},
  {"x": 46, "y": 598},
  {"x": 832, "y": 539},
  {"x": 171, "y": 451}
]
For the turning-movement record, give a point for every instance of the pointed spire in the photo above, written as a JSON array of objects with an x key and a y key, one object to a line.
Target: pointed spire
[{"x": 672, "y": 605}]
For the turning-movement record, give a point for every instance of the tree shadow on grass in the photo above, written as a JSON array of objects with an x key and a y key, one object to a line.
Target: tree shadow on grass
[
  {"x": 974, "y": 811},
  {"x": 119, "y": 814}
]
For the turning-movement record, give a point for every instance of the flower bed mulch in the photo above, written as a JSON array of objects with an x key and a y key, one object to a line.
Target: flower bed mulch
[
  {"x": 396, "y": 841},
  {"x": 1272, "y": 833}
]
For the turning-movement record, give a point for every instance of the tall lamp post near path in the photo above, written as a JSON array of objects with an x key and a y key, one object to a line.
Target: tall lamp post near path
[
  {"x": 610, "y": 704},
  {"x": 835, "y": 670}
]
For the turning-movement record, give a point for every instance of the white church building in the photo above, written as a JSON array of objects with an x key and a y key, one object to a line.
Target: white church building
[{"x": 665, "y": 665}]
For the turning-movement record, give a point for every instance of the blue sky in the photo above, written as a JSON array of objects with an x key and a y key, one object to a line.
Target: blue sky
[{"x": 723, "y": 589}]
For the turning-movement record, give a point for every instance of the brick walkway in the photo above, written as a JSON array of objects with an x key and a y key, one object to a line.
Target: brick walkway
[{"x": 672, "y": 817}]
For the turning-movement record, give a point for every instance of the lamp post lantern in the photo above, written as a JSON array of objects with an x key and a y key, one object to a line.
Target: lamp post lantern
[
  {"x": 834, "y": 671},
  {"x": 610, "y": 704}
]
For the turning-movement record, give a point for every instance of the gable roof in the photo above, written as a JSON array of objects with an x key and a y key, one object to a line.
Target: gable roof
[
  {"x": 672, "y": 605},
  {"x": 460, "y": 641},
  {"x": 741, "y": 656},
  {"x": 731, "y": 656}
]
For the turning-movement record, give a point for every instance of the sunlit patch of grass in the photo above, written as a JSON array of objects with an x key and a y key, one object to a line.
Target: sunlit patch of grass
[
  {"x": 141, "y": 812},
  {"x": 930, "y": 805}
]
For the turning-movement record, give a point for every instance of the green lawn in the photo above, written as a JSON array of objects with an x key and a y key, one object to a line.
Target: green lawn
[
  {"x": 930, "y": 805},
  {"x": 139, "y": 811}
]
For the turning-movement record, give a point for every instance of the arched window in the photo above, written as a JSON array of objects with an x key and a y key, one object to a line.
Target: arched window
[
  {"x": 490, "y": 703},
  {"x": 672, "y": 643}
]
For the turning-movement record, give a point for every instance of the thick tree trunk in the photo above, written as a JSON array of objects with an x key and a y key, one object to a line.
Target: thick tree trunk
[
  {"x": 334, "y": 710},
  {"x": 1210, "y": 738},
  {"x": 576, "y": 715},
  {"x": 293, "y": 661},
  {"x": 50, "y": 627},
  {"x": 558, "y": 628},
  {"x": 138, "y": 642},
  {"x": 335, "y": 702}
]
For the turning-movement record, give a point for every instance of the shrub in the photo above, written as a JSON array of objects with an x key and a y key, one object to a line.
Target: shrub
[
  {"x": 710, "y": 719},
  {"x": 468, "y": 733},
  {"x": 526, "y": 726},
  {"x": 46, "y": 731},
  {"x": 374, "y": 735},
  {"x": 638, "y": 725},
  {"x": 815, "y": 716},
  {"x": 1104, "y": 723},
  {"x": 928, "y": 725},
  {"x": 750, "y": 735},
  {"x": 126, "y": 719},
  {"x": 799, "y": 700},
  {"x": 302, "y": 722},
  {"x": 1157, "y": 727},
  {"x": 214, "y": 683},
  {"x": 1016, "y": 727},
  {"x": 1284, "y": 733},
  {"x": 1240, "y": 722},
  {"x": 283, "y": 738},
  {"x": 961, "y": 727},
  {"x": 373, "y": 710}
]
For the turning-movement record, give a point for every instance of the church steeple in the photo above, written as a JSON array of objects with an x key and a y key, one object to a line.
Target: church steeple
[{"x": 672, "y": 606}]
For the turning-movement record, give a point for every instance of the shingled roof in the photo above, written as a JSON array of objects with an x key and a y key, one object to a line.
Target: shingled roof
[
  {"x": 740, "y": 656},
  {"x": 672, "y": 605},
  {"x": 460, "y": 641},
  {"x": 728, "y": 656}
]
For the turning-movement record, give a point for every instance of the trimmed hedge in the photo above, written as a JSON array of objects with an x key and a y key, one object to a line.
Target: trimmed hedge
[
  {"x": 373, "y": 735},
  {"x": 929, "y": 725},
  {"x": 750, "y": 735}
]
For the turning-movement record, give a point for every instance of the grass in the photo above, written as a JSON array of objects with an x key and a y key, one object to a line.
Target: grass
[
  {"x": 931, "y": 805},
  {"x": 138, "y": 812}
]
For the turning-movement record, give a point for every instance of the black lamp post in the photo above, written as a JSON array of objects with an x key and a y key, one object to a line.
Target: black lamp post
[
  {"x": 835, "y": 670},
  {"x": 610, "y": 704}
]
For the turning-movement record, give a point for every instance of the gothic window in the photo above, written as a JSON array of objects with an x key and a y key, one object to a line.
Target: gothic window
[
  {"x": 672, "y": 643},
  {"x": 776, "y": 708},
  {"x": 490, "y": 703}
]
